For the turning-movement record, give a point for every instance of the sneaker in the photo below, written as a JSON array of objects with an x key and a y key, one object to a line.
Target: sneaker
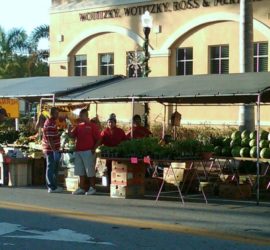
[
  {"x": 78, "y": 191},
  {"x": 57, "y": 190},
  {"x": 91, "y": 191}
]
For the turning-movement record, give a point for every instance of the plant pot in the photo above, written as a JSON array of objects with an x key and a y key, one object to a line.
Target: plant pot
[{"x": 207, "y": 155}]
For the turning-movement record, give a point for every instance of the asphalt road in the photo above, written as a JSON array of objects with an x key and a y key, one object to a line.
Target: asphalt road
[{"x": 34, "y": 219}]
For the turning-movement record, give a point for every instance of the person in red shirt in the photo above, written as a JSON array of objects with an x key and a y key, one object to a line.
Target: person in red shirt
[
  {"x": 87, "y": 136},
  {"x": 51, "y": 147},
  {"x": 111, "y": 137},
  {"x": 138, "y": 130}
]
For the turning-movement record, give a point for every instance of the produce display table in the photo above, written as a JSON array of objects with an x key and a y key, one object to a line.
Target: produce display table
[
  {"x": 171, "y": 174},
  {"x": 192, "y": 172}
]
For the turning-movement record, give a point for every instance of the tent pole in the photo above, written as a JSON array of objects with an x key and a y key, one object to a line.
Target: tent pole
[
  {"x": 258, "y": 148},
  {"x": 53, "y": 99},
  {"x": 133, "y": 113},
  {"x": 164, "y": 121}
]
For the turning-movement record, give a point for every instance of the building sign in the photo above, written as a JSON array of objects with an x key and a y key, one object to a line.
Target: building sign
[
  {"x": 11, "y": 106},
  {"x": 155, "y": 8}
]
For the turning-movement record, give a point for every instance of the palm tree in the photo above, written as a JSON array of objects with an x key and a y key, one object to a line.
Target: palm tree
[
  {"x": 11, "y": 43},
  {"x": 37, "y": 57},
  {"x": 246, "y": 112},
  {"x": 40, "y": 32}
]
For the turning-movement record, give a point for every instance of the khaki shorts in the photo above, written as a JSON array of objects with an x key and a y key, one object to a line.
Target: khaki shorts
[{"x": 85, "y": 164}]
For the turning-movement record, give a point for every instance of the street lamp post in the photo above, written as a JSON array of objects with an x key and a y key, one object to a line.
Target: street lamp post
[{"x": 147, "y": 22}]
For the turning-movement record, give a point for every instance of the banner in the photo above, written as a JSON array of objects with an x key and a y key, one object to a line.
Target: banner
[{"x": 11, "y": 106}]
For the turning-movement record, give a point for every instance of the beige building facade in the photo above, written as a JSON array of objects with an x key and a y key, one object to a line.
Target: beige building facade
[{"x": 187, "y": 37}]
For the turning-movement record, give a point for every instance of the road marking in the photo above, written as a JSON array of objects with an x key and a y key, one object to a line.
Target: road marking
[
  {"x": 57, "y": 235},
  {"x": 247, "y": 239}
]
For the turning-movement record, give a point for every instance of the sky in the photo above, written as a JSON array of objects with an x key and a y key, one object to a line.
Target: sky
[{"x": 26, "y": 14}]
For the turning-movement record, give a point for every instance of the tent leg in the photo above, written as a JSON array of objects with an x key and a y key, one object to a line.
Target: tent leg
[
  {"x": 258, "y": 148},
  {"x": 133, "y": 113}
]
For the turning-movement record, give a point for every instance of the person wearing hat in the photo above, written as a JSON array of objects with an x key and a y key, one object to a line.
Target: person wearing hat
[
  {"x": 111, "y": 137},
  {"x": 3, "y": 114},
  {"x": 138, "y": 130}
]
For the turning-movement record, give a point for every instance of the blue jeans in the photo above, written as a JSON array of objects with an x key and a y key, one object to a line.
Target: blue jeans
[{"x": 52, "y": 159}]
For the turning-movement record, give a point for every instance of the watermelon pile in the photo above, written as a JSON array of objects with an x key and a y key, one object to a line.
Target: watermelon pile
[{"x": 244, "y": 144}]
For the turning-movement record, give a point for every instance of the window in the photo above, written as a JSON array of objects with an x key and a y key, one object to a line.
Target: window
[
  {"x": 134, "y": 63},
  {"x": 219, "y": 59},
  {"x": 184, "y": 61},
  {"x": 106, "y": 64},
  {"x": 260, "y": 57},
  {"x": 80, "y": 65}
]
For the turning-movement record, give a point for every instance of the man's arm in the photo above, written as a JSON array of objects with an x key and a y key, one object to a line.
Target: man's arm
[{"x": 98, "y": 143}]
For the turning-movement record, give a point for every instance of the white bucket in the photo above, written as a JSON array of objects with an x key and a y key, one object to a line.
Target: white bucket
[{"x": 105, "y": 181}]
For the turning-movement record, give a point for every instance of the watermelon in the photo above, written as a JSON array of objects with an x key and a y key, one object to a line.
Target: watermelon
[
  {"x": 245, "y": 134},
  {"x": 253, "y": 135},
  {"x": 253, "y": 143},
  {"x": 235, "y": 142},
  {"x": 253, "y": 152},
  {"x": 218, "y": 150},
  {"x": 264, "y": 135},
  {"x": 226, "y": 151},
  {"x": 236, "y": 151},
  {"x": 264, "y": 144},
  {"x": 236, "y": 135},
  {"x": 265, "y": 153},
  {"x": 244, "y": 152},
  {"x": 226, "y": 142},
  {"x": 245, "y": 142}
]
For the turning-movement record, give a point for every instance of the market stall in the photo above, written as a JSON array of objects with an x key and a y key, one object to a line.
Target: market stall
[
  {"x": 231, "y": 89},
  {"x": 23, "y": 163},
  {"x": 236, "y": 89}
]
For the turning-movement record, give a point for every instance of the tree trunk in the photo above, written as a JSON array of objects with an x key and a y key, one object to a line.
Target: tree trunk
[{"x": 246, "y": 112}]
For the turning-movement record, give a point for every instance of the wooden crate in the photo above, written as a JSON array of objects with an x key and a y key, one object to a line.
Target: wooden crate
[
  {"x": 39, "y": 172},
  {"x": 178, "y": 175},
  {"x": 17, "y": 172},
  {"x": 232, "y": 191}
]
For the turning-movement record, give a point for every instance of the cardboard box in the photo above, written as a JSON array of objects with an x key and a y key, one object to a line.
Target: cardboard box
[
  {"x": 72, "y": 183},
  {"x": 124, "y": 192},
  {"x": 127, "y": 167},
  {"x": 127, "y": 178},
  {"x": 232, "y": 191}
]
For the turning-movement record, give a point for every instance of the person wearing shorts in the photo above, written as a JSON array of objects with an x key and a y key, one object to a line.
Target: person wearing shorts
[{"x": 87, "y": 136}]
